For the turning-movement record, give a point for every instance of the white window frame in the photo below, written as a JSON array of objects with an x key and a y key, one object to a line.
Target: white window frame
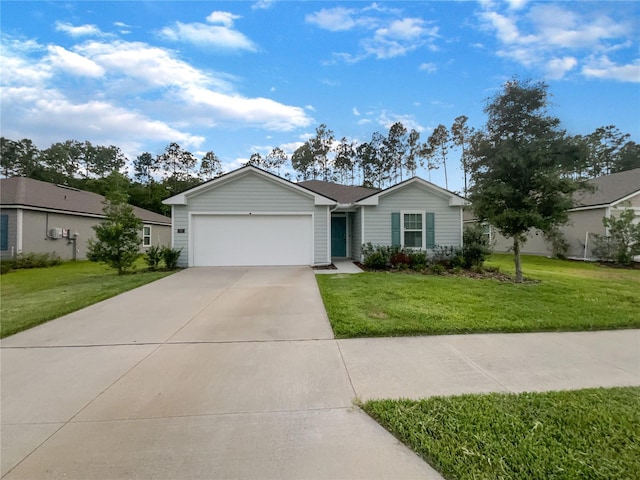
[
  {"x": 422, "y": 214},
  {"x": 146, "y": 237}
]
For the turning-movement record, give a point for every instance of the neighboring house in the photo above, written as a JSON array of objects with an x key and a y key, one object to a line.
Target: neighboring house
[
  {"x": 252, "y": 217},
  {"x": 40, "y": 217},
  {"x": 611, "y": 195}
]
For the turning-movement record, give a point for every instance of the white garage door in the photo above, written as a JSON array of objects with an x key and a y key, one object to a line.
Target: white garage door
[{"x": 236, "y": 240}]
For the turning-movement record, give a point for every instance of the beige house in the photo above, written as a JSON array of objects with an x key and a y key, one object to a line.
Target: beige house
[
  {"x": 612, "y": 194},
  {"x": 40, "y": 217}
]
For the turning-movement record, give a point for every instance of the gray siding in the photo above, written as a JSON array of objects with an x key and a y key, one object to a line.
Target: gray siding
[
  {"x": 12, "y": 239},
  {"x": 356, "y": 235},
  {"x": 412, "y": 198},
  {"x": 250, "y": 193}
]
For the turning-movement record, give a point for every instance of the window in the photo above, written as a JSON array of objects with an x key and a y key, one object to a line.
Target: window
[
  {"x": 4, "y": 232},
  {"x": 146, "y": 236},
  {"x": 413, "y": 230}
]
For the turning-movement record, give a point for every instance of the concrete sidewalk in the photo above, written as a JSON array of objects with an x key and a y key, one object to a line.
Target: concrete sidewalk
[{"x": 417, "y": 367}]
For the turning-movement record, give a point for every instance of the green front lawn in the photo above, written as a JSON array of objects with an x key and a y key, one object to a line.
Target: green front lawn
[
  {"x": 31, "y": 297},
  {"x": 555, "y": 435},
  {"x": 567, "y": 296}
]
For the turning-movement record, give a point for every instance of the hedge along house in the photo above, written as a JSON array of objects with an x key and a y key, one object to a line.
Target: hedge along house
[
  {"x": 40, "y": 217},
  {"x": 252, "y": 217}
]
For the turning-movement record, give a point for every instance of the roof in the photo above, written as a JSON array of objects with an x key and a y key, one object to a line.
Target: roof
[
  {"x": 181, "y": 198},
  {"x": 27, "y": 192},
  {"x": 610, "y": 189},
  {"x": 340, "y": 193}
]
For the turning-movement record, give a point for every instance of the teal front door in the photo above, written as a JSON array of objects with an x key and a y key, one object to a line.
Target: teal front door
[{"x": 338, "y": 236}]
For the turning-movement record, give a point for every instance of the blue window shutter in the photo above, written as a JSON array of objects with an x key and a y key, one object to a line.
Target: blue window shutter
[
  {"x": 395, "y": 229},
  {"x": 431, "y": 229},
  {"x": 4, "y": 232}
]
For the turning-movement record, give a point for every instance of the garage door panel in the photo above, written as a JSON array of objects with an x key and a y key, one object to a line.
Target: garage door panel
[{"x": 242, "y": 240}]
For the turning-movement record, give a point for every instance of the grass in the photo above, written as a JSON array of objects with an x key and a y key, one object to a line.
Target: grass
[
  {"x": 568, "y": 296},
  {"x": 31, "y": 297},
  {"x": 578, "y": 434}
]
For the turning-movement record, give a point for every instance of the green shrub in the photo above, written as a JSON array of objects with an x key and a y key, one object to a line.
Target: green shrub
[
  {"x": 377, "y": 257},
  {"x": 558, "y": 243},
  {"x": 36, "y": 260},
  {"x": 623, "y": 241},
  {"x": 170, "y": 257},
  {"x": 476, "y": 246},
  {"x": 153, "y": 257},
  {"x": 447, "y": 257},
  {"x": 6, "y": 266},
  {"x": 418, "y": 260}
]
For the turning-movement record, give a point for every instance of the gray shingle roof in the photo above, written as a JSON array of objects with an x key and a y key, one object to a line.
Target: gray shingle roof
[
  {"x": 610, "y": 188},
  {"x": 339, "y": 193},
  {"x": 34, "y": 193}
]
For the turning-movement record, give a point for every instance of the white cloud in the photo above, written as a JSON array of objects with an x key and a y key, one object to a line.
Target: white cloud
[
  {"x": 387, "y": 33},
  {"x": 603, "y": 68},
  {"x": 223, "y": 18},
  {"x": 208, "y": 36},
  {"x": 72, "y": 63},
  {"x": 263, "y": 4},
  {"x": 555, "y": 38},
  {"x": 220, "y": 34},
  {"x": 557, "y": 67},
  {"x": 78, "y": 31},
  {"x": 355, "y": 112},
  {"x": 49, "y": 117},
  {"x": 428, "y": 67},
  {"x": 386, "y": 119},
  {"x": 333, "y": 19},
  {"x": 138, "y": 93}
]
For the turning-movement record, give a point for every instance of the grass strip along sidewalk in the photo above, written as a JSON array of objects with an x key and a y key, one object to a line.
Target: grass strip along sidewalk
[
  {"x": 578, "y": 434},
  {"x": 566, "y": 296},
  {"x": 34, "y": 296}
]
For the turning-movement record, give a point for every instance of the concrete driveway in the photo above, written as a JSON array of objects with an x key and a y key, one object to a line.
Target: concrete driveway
[{"x": 208, "y": 373}]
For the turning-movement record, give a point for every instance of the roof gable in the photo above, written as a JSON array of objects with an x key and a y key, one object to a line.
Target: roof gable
[
  {"x": 454, "y": 200},
  {"x": 28, "y": 192},
  {"x": 182, "y": 198},
  {"x": 610, "y": 189}
]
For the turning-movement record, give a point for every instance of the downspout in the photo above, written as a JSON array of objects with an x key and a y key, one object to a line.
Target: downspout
[{"x": 586, "y": 244}]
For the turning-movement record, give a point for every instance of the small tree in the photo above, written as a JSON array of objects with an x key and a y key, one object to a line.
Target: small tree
[
  {"x": 517, "y": 166},
  {"x": 118, "y": 236},
  {"x": 623, "y": 241}
]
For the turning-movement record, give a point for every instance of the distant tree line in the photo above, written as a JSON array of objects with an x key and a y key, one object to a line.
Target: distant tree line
[{"x": 382, "y": 161}]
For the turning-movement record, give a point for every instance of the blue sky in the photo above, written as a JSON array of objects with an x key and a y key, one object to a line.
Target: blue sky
[{"x": 247, "y": 76}]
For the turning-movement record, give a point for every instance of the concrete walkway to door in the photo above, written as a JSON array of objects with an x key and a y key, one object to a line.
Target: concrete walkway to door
[{"x": 208, "y": 373}]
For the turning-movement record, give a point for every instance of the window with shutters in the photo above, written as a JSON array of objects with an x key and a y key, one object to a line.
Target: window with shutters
[{"x": 413, "y": 229}]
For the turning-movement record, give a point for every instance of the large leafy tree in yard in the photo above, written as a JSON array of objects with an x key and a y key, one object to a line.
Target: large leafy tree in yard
[
  {"x": 517, "y": 164},
  {"x": 118, "y": 236}
]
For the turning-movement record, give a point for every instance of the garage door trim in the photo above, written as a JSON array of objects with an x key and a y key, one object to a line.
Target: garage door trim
[{"x": 253, "y": 214}]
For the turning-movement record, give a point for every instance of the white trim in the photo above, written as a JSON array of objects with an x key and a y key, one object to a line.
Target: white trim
[
  {"x": 362, "y": 240},
  {"x": 19, "y": 226},
  {"x": 624, "y": 199},
  {"x": 144, "y": 225},
  {"x": 182, "y": 198},
  {"x": 328, "y": 237},
  {"x": 256, "y": 214},
  {"x": 462, "y": 229},
  {"x": 173, "y": 227},
  {"x": 422, "y": 213}
]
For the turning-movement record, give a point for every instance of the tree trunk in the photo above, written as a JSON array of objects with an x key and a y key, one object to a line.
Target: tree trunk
[{"x": 516, "y": 258}]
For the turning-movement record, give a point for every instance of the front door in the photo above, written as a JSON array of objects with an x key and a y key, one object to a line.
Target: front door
[{"x": 338, "y": 236}]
